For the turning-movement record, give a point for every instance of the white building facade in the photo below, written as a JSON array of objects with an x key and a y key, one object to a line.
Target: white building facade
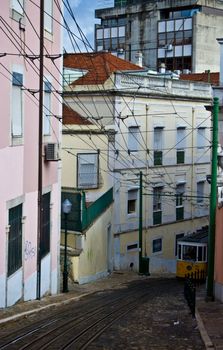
[{"x": 162, "y": 129}]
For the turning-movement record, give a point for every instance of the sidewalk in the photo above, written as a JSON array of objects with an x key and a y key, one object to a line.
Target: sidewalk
[{"x": 209, "y": 315}]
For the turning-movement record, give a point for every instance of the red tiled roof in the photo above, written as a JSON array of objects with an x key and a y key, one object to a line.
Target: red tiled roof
[
  {"x": 72, "y": 117},
  {"x": 212, "y": 78},
  {"x": 100, "y": 65}
]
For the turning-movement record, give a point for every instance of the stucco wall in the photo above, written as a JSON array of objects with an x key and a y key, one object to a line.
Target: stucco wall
[
  {"x": 206, "y": 29},
  {"x": 160, "y": 262},
  {"x": 93, "y": 261},
  {"x": 19, "y": 158}
]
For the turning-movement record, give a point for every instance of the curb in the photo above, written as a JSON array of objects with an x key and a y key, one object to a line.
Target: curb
[
  {"x": 204, "y": 335},
  {"x": 29, "y": 312}
]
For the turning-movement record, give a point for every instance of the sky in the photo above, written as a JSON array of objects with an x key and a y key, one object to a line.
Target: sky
[{"x": 84, "y": 13}]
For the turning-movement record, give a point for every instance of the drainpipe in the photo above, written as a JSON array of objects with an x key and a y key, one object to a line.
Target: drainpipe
[
  {"x": 220, "y": 41},
  {"x": 140, "y": 222},
  {"x": 40, "y": 140},
  {"x": 213, "y": 199}
]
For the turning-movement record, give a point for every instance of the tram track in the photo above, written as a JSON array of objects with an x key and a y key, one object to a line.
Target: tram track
[{"x": 55, "y": 332}]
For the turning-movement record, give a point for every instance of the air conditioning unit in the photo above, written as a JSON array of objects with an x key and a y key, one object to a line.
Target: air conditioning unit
[{"x": 51, "y": 152}]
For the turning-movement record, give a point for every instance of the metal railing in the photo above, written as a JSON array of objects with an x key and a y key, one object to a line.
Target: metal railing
[
  {"x": 190, "y": 294},
  {"x": 192, "y": 280}
]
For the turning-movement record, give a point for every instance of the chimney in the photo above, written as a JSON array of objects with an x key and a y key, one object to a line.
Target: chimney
[
  {"x": 162, "y": 68},
  {"x": 138, "y": 57},
  {"x": 220, "y": 41}
]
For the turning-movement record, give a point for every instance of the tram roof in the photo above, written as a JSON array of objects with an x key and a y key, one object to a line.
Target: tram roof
[{"x": 201, "y": 236}]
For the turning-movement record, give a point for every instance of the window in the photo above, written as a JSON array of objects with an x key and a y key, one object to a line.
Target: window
[
  {"x": 161, "y": 27},
  {"x": 18, "y": 6},
  {"x": 180, "y": 144},
  {"x": 133, "y": 139},
  {"x": 178, "y": 236},
  {"x": 200, "y": 192},
  {"x": 157, "y": 245},
  {"x": 201, "y": 138},
  {"x": 158, "y": 145},
  {"x": 179, "y": 195},
  {"x": 47, "y": 108},
  {"x": 17, "y": 105},
  {"x": 157, "y": 213},
  {"x": 133, "y": 246},
  {"x": 179, "y": 202},
  {"x": 99, "y": 33},
  {"x": 121, "y": 31},
  {"x": 132, "y": 200},
  {"x": 48, "y": 16},
  {"x": 15, "y": 239},
  {"x": 45, "y": 232},
  {"x": 88, "y": 170},
  {"x": 157, "y": 191}
]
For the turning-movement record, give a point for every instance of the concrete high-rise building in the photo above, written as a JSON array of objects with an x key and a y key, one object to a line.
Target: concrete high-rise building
[{"x": 178, "y": 34}]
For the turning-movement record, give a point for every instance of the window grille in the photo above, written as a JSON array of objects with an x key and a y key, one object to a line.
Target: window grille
[
  {"x": 45, "y": 232},
  {"x": 15, "y": 239}
]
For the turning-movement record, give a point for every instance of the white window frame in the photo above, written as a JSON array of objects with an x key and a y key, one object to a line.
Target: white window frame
[
  {"x": 180, "y": 189},
  {"x": 200, "y": 192},
  {"x": 16, "y": 6},
  {"x": 47, "y": 109},
  {"x": 133, "y": 138},
  {"x": 89, "y": 161},
  {"x": 132, "y": 196},
  {"x": 201, "y": 139},
  {"x": 158, "y": 138},
  {"x": 48, "y": 16},
  {"x": 157, "y": 198},
  {"x": 17, "y": 105},
  {"x": 181, "y": 138}
]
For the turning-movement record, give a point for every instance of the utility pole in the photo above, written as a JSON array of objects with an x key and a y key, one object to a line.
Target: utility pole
[
  {"x": 40, "y": 143},
  {"x": 140, "y": 222},
  {"x": 213, "y": 199}
]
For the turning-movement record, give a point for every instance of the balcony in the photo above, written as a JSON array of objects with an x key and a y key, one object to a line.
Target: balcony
[{"x": 81, "y": 215}]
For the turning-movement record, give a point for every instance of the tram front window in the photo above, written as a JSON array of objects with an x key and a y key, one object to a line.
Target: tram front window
[{"x": 189, "y": 253}]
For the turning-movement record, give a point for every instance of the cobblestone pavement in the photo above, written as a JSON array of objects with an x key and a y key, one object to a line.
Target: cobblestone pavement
[
  {"x": 161, "y": 321},
  {"x": 209, "y": 315}
]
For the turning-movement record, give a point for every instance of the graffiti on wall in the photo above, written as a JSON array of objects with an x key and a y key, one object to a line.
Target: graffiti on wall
[{"x": 29, "y": 250}]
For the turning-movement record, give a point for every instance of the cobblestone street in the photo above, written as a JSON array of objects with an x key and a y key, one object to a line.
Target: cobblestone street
[
  {"x": 162, "y": 321},
  {"x": 155, "y": 316}
]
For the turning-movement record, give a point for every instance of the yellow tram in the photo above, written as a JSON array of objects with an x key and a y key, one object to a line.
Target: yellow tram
[{"x": 192, "y": 253}]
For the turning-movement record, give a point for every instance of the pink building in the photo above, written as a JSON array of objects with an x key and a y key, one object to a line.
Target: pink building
[
  {"x": 19, "y": 75},
  {"x": 218, "y": 270}
]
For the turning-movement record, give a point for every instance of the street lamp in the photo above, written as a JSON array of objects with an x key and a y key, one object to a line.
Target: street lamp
[{"x": 66, "y": 207}]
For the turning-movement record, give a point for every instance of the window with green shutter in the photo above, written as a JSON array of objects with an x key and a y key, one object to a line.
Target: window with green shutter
[
  {"x": 45, "y": 232},
  {"x": 15, "y": 239}
]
